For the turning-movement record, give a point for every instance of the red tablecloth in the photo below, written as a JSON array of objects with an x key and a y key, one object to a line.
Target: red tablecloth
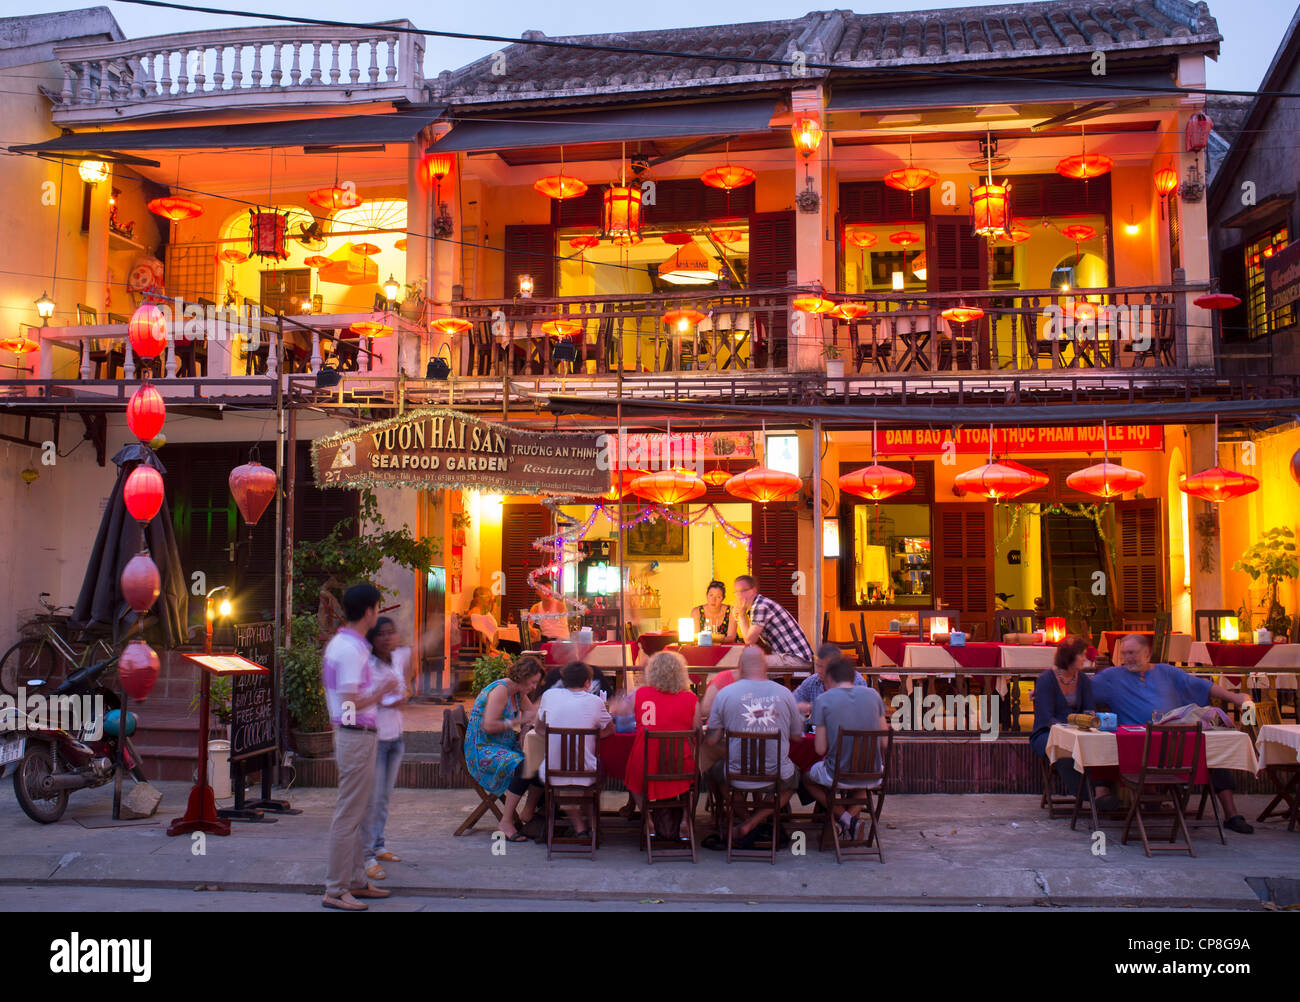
[
  {"x": 1235, "y": 655},
  {"x": 983, "y": 654},
  {"x": 1111, "y": 638},
  {"x": 803, "y": 753},
  {"x": 653, "y": 643},
  {"x": 615, "y": 749},
  {"x": 704, "y": 657},
  {"x": 560, "y": 652},
  {"x": 1128, "y": 745}
]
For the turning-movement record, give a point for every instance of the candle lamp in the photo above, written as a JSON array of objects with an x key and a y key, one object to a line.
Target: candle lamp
[
  {"x": 1055, "y": 629},
  {"x": 686, "y": 630},
  {"x": 1229, "y": 629}
]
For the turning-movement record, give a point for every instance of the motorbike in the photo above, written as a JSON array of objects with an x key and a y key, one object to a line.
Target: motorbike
[{"x": 52, "y": 762}]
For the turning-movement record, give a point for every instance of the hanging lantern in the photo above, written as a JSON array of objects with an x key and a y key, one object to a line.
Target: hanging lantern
[
  {"x": 683, "y": 319},
  {"x": 137, "y": 670},
  {"x": 370, "y": 328},
  {"x": 20, "y": 345},
  {"x": 1217, "y": 301},
  {"x": 620, "y": 218},
  {"x": 1217, "y": 484},
  {"x": 1198, "y": 132},
  {"x": 813, "y": 304},
  {"x": 141, "y": 583},
  {"x": 435, "y": 166},
  {"x": 1166, "y": 181},
  {"x": 621, "y": 483},
  {"x": 450, "y": 325},
  {"x": 677, "y": 239},
  {"x": 1016, "y": 235},
  {"x": 1079, "y": 232},
  {"x": 904, "y": 238},
  {"x": 252, "y": 486},
  {"x": 728, "y": 177},
  {"x": 912, "y": 178},
  {"x": 93, "y": 171},
  {"x": 232, "y": 255},
  {"x": 877, "y": 483},
  {"x": 143, "y": 493},
  {"x": 716, "y": 478},
  {"x": 147, "y": 331},
  {"x": 1085, "y": 166},
  {"x": 849, "y": 311},
  {"x": 1039, "y": 478},
  {"x": 991, "y": 210},
  {"x": 145, "y": 413},
  {"x": 584, "y": 242},
  {"x": 689, "y": 266},
  {"x": 175, "y": 208},
  {"x": 333, "y": 198},
  {"x": 997, "y": 481},
  {"x": 861, "y": 239},
  {"x": 727, "y": 236},
  {"x": 365, "y": 249},
  {"x": 962, "y": 314},
  {"x": 1079, "y": 309},
  {"x": 669, "y": 487},
  {"x": 266, "y": 231},
  {"x": 1106, "y": 480},
  {"x": 399, "y": 244},
  {"x": 29, "y": 475},
  {"x": 316, "y": 261},
  {"x": 762, "y": 485},
  {"x": 560, "y": 187},
  {"x": 807, "y": 133},
  {"x": 561, "y": 328}
]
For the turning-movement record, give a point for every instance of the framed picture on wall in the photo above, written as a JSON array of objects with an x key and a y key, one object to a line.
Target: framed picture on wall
[{"x": 660, "y": 538}]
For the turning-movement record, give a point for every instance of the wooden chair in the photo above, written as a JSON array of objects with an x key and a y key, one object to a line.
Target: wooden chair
[
  {"x": 471, "y": 648},
  {"x": 1268, "y": 712},
  {"x": 1171, "y": 757},
  {"x": 670, "y": 757},
  {"x": 1164, "y": 624},
  {"x": 925, "y": 615},
  {"x": 1012, "y": 621},
  {"x": 759, "y": 778},
  {"x": 858, "y": 781},
  {"x": 1137, "y": 624},
  {"x": 1059, "y": 805},
  {"x": 581, "y": 787},
  {"x": 487, "y": 802},
  {"x": 860, "y": 646},
  {"x": 1210, "y": 618}
]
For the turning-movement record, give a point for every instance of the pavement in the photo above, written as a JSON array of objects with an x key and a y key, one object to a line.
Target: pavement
[{"x": 941, "y": 851}]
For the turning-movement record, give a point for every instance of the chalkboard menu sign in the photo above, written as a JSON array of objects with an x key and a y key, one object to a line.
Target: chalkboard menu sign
[{"x": 252, "y": 703}]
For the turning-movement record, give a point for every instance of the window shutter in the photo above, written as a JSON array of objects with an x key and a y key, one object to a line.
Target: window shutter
[
  {"x": 581, "y": 211},
  {"x": 1233, "y": 323},
  {"x": 521, "y": 526},
  {"x": 530, "y": 250},
  {"x": 1056, "y": 491},
  {"x": 776, "y": 554},
  {"x": 1139, "y": 557},
  {"x": 962, "y": 558},
  {"x": 1054, "y": 195},
  {"x": 718, "y": 204},
  {"x": 956, "y": 256},
  {"x": 771, "y": 250},
  {"x": 876, "y": 202},
  {"x": 316, "y": 510}
]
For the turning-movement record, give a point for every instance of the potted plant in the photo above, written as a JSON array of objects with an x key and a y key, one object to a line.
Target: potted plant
[
  {"x": 413, "y": 300},
  {"x": 1273, "y": 558},
  {"x": 488, "y": 668},
  {"x": 304, "y": 694},
  {"x": 834, "y": 361},
  {"x": 219, "y": 690}
]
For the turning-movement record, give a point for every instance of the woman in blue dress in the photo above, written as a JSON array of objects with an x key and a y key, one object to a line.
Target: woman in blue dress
[{"x": 492, "y": 751}]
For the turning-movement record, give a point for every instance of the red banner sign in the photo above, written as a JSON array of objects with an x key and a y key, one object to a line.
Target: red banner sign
[{"x": 1009, "y": 441}]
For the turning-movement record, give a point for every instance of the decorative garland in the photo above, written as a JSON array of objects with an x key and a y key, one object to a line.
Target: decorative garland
[{"x": 1095, "y": 512}]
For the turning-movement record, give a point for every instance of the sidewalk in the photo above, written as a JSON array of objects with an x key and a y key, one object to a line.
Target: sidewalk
[{"x": 939, "y": 850}]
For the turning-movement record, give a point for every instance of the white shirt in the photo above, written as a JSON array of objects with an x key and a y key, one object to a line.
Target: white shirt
[
  {"x": 388, "y": 712},
  {"x": 574, "y": 708}
]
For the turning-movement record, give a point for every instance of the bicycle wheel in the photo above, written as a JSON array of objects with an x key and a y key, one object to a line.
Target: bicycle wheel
[{"x": 24, "y": 662}]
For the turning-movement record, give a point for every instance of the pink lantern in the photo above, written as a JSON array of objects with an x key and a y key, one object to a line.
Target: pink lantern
[
  {"x": 143, "y": 493},
  {"x": 147, "y": 331},
  {"x": 145, "y": 413},
  {"x": 141, "y": 582},
  {"x": 253, "y": 486},
  {"x": 137, "y": 669}
]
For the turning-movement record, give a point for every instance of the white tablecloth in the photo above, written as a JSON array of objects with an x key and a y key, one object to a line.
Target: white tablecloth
[
  {"x": 1279, "y": 744},
  {"x": 1224, "y": 749},
  {"x": 1278, "y": 656}
]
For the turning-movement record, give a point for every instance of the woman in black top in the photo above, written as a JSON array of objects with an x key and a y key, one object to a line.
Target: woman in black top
[
  {"x": 1061, "y": 690},
  {"x": 715, "y": 615}
]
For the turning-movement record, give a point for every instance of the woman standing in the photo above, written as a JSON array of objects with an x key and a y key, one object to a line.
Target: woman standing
[
  {"x": 387, "y": 661},
  {"x": 715, "y": 615},
  {"x": 492, "y": 751}
]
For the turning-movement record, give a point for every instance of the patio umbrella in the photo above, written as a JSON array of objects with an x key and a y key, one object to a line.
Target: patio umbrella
[{"x": 101, "y": 603}]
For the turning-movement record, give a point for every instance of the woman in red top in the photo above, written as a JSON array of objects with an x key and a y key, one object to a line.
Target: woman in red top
[{"x": 664, "y": 703}]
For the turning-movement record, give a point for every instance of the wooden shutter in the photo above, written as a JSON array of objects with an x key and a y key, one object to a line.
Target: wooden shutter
[
  {"x": 956, "y": 256},
  {"x": 776, "y": 554},
  {"x": 1139, "y": 557},
  {"x": 772, "y": 266},
  {"x": 962, "y": 558},
  {"x": 530, "y": 250},
  {"x": 876, "y": 202},
  {"x": 718, "y": 204},
  {"x": 316, "y": 510},
  {"x": 581, "y": 211},
  {"x": 1056, "y": 491},
  {"x": 521, "y": 526},
  {"x": 1054, "y": 195}
]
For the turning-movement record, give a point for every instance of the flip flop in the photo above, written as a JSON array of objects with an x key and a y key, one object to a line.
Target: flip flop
[
  {"x": 516, "y": 837},
  {"x": 388, "y": 857}
]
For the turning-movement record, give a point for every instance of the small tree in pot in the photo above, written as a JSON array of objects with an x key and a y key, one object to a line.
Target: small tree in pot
[{"x": 1273, "y": 558}]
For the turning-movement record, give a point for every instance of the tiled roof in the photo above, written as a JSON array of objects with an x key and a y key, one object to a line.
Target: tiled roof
[{"x": 1045, "y": 31}]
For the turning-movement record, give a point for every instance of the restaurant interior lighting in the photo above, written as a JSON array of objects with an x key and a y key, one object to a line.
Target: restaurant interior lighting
[
  {"x": 1055, "y": 628},
  {"x": 897, "y": 278},
  {"x": 875, "y": 571},
  {"x": 686, "y": 630},
  {"x": 1229, "y": 629},
  {"x": 93, "y": 171},
  {"x": 938, "y": 626},
  {"x": 688, "y": 266},
  {"x": 831, "y": 539}
]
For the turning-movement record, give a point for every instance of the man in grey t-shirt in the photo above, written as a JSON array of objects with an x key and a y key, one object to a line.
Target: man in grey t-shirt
[
  {"x": 754, "y": 703},
  {"x": 843, "y": 707}
]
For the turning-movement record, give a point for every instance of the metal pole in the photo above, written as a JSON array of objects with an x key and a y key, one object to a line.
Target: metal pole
[
  {"x": 279, "y": 548},
  {"x": 817, "y": 530},
  {"x": 622, "y": 548}
]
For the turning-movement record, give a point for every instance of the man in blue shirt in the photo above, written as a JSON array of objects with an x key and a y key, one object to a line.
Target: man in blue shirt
[
  {"x": 815, "y": 684},
  {"x": 1135, "y": 689}
]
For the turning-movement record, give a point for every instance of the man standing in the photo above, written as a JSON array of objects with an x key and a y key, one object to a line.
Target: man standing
[
  {"x": 1135, "y": 689},
  {"x": 346, "y": 675},
  {"x": 845, "y": 706},
  {"x": 771, "y": 624},
  {"x": 815, "y": 684}
]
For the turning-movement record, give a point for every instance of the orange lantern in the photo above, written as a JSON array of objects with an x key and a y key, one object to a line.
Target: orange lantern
[
  {"x": 333, "y": 198},
  {"x": 145, "y": 413},
  {"x": 147, "y": 331},
  {"x": 904, "y": 238},
  {"x": 912, "y": 178},
  {"x": 682, "y": 319},
  {"x": 316, "y": 261},
  {"x": 1106, "y": 480},
  {"x": 1079, "y": 232},
  {"x": 365, "y": 250},
  {"x": 621, "y": 483},
  {"x": 175, "y": 208},
  {"x": 1217, "y": 484},
  {"x": 19, "y": 345},
  {"x": 560, "y": 187},
  {"x": 1054, "y": 629},
  {"x": 807, "y": 133},
  {"x": 997, "y": 481},
  {"x": 728, "y": 176},
  {"x": 252, "y": 486},
  {"x": 877, "y": 483},
  {"x": 620, "y": 218},
  {"x": 561, "y": 328},
  {"x": 399, "y": 244},
  {"x": 232, "y": 255},
  {"x": 861, "y": 238},
  {"x": 584, "y": 242},
  {"x": 1016, "y": 235},
  {"x": 813, "y": 304},
  {"x": 962, "y": 314},
  {"x": 762, "y": 484},
  {"x": 436, "y": 166},
  {"x": 669, "y": 487},
  {"x": 1166, "y": 181},
  {"x": 371, "y": 328},
  {"x": 1085, "y": 166},
  {"x": 991, "y": 210},
  {"x": 450, "y": 325},
  {"x": 716, "y": 478},
  {"x": 1039, "y": 478},
  {"x": 727, "y": 236},
  {"x": 849, "y": 311}
]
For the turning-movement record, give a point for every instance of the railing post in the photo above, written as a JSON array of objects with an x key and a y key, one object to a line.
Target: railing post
[
  {"x": 87, "y": 367},
  {"x": 173, "y": 364},
  {"x": 1181, "y": 353},
  {"x": 128, "y": 363},
  {"x": 315, "y": 351}
]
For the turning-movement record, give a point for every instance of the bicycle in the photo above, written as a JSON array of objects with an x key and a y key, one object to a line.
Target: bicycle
[{"x": 47, "y": 647}]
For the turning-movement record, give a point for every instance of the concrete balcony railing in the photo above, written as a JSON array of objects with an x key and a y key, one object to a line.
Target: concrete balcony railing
[{"x": 256, "y": 67}]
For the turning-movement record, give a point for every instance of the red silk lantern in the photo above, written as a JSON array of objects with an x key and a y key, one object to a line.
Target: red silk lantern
[
  {"x": 1106, "y": 480},
  {"x": 333, "y": 198},
  {"x": 991, "y": 209},
  {"x": 728, "y": 176},
  {"x": 266, "y": 233},
  {"x": 904, "y": 238},
  {"x": 1079, "y": 232},
  {"x": 997, "y": 481},
  {"x": 762, "y": 484},
  {"x": 1217, "y": 484},
  {"x": 450, "y": 325},
  {"x": 813, "y": 304},
  {"x": 584, "y": 242},
  {"x": 145, "y": 413},
  {"x": 849, "y": 311},
  {"x": 962, "y": 314},
  {"x": 620, "y": 482},
  {"x": 175, "y": 208},
  {"x": 435, "y": 167},
  {"x": 253, "y": 486},
  {"x": 561, "y": 328},
  {"x": 1054, "y": 629},
  {"x": 621, "y": 215},
  {"x": 1198, "y": 132},
  {"x": 1085, "y": 166},
  {"x": 682, "y": 319},
  {"x": 141, "y": 582},
  {"x": 1016, "y": 235},
  {"x": 669, "y": 487},
  {"x": 137, "y": 670},
  {"x": 370, "y": 328},
  {"x": 1039, "y": 478},
  {"x": 912, "y": 178},
  {"x": 316, "y": 261},
  {"x": 876, "y": 483},
  {"x": 143, "y": 493},
  {"x": 1217, "y": 301},
  {"x": 560, "y": 186},
  {"x": 147, "y": 331},
  {"x": 716, "y": 478},
  {"x": 861, "y": 239},
  {"x": 232, "y": 255},
  {"x": 1166, "y": 181}
]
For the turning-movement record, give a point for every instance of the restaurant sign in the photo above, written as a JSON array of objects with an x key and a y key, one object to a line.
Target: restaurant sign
[
  {"x": 1282, "y": 278},
  {"x": 432, "y": 448},
  {"x": 1008, "y": 441}
]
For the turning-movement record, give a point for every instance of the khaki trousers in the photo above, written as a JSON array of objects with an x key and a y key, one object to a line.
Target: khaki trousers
[{"x": 354, "y": 751}]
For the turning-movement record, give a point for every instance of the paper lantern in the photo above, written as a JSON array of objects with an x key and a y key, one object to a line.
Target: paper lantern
[
  {"x": 584, "y": 242},
  {"x": 365, "y": 249},
  {"x": 1106, "y": 480},
  {"x": 677, "y": 239},
  {"x": 1054, "y": 629},
  {"x": 813, "y": 304},
  {"x": 728, "y": 176},
  {"x": 1039, "y": 478},
  {"x": 370, "y": 328},
  {"x": 728, "y": 236},
  {"x": 266, "y": 232},
  {"x": 997, "y": 481},
  {"x": 435, "y": 166},
  {"x": 1085, "y": 166},
  {"x": 861, "y": 239},
  {"x": 175, "y": 208},
  {"x": 147, "y": 331},
  {"x": 1218, "y": 484},
  {"x": 621, "y": 215},
  {"x": 762, "y": 484},
  {"x": 232, "y": 255},
  {"x": 689, "y": 266},
  {"x": 962, "y": 314},
  {"x": 877, "y": 483},
  {"x": 1016, "y": 235},
  {"x": 20, "y": 345},
  {"x": 561, "y": 328},
  {"x": 682, "y": 319},
  {"x": 991, "y": 209},
  {"x": 143, "y": 493},
  {"x": 450, "y": 325},
  {"x": 252, "y": 486},
  {"x": 620, "y": 482},
  {"x": 333, "y": 198},
  {"x": 1079, "y": 232},
  {"x": 1199, "y": 127},
  {"x": 849, "y": 311},
  {"x": 807, "y": 133},
  {"x": 904, "y": 238},
  {"x": 141, "y": 583},
  {"x": 686, "y": 630},
  {"x": 145, "y": 413},
  {"x": 93, "y": 171},
  {"x": 716, "y": 478},
  {"x": 1217, "y": 301},
  {"x": 560, "y": 187},
  {"x": 1166, "y": 181},
  {"x": 911, "y": 178},
  {"x": 669, "y": 487},
  {"x": 316, "y": 261},
  {"x": 137, "y": 670},
  {"x": 399, "y": 244}
]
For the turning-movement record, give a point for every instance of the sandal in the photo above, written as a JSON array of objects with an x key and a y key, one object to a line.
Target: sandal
[
  {"x": 516, "y": 837},
  {"x": 388, "y": 857}
]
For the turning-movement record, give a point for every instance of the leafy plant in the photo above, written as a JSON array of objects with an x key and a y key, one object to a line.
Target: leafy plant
[
  {"x": 219, "y": 691},
  {"x": 1273, "y": 558},
  {"x": 489, "y": 668},
  {"x": 300, "y": 678},
  {"x": 831, "y": 351}
]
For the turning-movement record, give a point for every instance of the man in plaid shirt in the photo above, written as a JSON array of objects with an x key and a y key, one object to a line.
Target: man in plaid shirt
[{"x": 770, "y": 622}]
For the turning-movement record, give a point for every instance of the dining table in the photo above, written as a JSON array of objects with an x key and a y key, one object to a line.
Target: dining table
[
  {"x": 1277, "y": 665},
  {"x": 617, "y": 748},
  {"x": 1278, "y": 746},
  {"x": 1177, "y": 645},
  {"x": 599, "y": 654}
]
